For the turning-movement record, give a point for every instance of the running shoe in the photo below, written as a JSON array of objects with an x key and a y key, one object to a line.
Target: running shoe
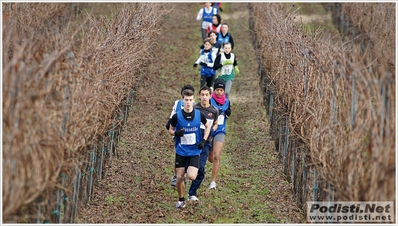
[
  {"x": 174, "y": 180},
  {"x": 192, "y": 198},
  {"x": 212, "y": 185},
  {"x": 180, "y": 204}
]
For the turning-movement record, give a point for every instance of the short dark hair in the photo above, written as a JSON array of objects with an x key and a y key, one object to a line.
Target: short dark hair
[
  {"x": 226, "y": 43},
  {"x": 187, "y": 92},
  {"x": 205, "y": 88},
  {"x": 212, "y": 31},
  {"x": 187, "y": 86}
]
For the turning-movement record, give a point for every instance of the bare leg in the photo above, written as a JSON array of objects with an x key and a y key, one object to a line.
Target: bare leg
[
  {"x": 180, "y": 181},
  {"x": 217, "y": 148},
  {"x": 192, "y": 172},
  {"x": 211, "y": 158}
]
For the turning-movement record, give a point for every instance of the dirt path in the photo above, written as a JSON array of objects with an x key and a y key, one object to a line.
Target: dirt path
[{"x": 252, "y": 187}]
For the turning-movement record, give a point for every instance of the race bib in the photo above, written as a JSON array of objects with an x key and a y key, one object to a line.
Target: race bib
[
  {"x": 220, "y": 120},
  {"x": 188, "y": 139},
  {"x": 226, "y": 70}
]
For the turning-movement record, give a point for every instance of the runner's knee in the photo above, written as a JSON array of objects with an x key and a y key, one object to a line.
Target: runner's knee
[{"x": 192, "y": 175}]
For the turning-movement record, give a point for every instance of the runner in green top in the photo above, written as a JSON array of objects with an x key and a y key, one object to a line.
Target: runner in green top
[{"x": 228, "y": 66}]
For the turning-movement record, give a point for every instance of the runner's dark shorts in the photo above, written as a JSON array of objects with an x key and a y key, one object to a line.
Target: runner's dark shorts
[{"x": 182, "y": 161}]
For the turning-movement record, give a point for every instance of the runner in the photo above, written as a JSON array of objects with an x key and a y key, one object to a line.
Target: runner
[
  {"x": 215, "y": 26},
  {"x": 215, "y": 45},
  {"x": 211, "y": 114},
  {"x": 185, "y": 126},
  {"x": 225, "y": 36},
  {"x": 229, "y": 67},
  {"x": 205, "y": 14},
  {"x": 178, "y": 105},
  {"x": 206, "y": 61},
  {"x": 219, "y": 101}
]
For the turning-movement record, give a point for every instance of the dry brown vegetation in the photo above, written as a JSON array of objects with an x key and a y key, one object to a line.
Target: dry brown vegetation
[
  {"x": 64, "y": 85},
  {"x": 339, "y": 97},
  {"x": 376, "y": 26},
  {"x": 68, "y": 86},
  {"x": 134, "y": 187}
]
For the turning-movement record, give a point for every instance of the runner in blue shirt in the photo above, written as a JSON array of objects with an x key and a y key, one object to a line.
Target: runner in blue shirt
[
  {"x": 224, "y": 36},
  {"x": 178, "y": 105},
  {"x": 206, "y": 16},
  {"x": 189, "y": 142},
  {"x": 206, "y": 61},
  {"x": 222, "y": 103}
]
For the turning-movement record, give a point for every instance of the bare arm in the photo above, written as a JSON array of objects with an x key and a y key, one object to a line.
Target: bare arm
[
  {"x": 171, "y": 130},
  {"x": 207, "y": 131}
]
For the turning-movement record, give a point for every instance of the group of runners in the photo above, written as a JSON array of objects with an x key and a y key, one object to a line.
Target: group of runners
[{"x": 199, "y": 129}]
